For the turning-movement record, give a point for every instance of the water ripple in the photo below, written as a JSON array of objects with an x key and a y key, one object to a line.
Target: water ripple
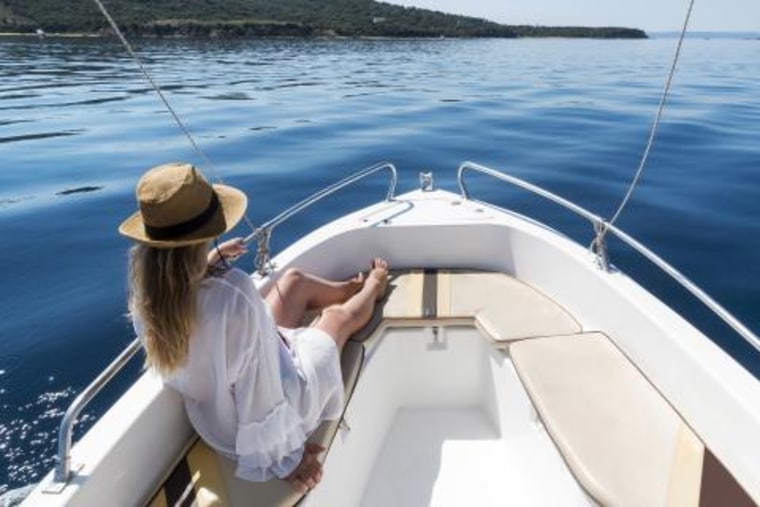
[
  {"x": 38, "y": 136},
  {"x": 282, "y": 118}
]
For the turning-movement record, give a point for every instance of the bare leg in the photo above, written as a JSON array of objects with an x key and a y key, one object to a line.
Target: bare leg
[
  {"x": 295, "y": 292},
  {"x": 341, "y": 321}
]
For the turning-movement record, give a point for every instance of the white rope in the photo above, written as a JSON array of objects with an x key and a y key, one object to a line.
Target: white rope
[
  {"x": 653, "y": 130},
  {"x": 168, "y": 106}
]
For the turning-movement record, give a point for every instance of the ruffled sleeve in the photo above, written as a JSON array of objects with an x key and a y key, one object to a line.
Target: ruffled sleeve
[{"x": 270, "y": 436}]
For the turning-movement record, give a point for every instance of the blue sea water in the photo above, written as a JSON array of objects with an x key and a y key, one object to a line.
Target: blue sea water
[{"x": 282, "y": 118}]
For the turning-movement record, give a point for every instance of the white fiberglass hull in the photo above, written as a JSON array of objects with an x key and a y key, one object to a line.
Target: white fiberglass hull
[{"x": 462, "y": 403}]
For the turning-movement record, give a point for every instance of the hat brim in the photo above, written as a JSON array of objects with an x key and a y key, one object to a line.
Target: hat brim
[{"x": 232, "y": 206}]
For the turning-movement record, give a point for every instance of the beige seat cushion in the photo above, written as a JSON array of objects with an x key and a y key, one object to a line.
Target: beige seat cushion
[
  {"x": 502, "y": 307},
  {"x": 404, "y": 296},
  {"x": 402, "y": 304},
  {"x": 505, "y": 308},
  {"x": 196, "y": 480},
  {"x": 624, "y": 443}
]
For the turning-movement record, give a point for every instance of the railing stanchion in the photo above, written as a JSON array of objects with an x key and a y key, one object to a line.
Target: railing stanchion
[
  {"x": 62, "y": 473},
  {"x": 264, "y": 233}
]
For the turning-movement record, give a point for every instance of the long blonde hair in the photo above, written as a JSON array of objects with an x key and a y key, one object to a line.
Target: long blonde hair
[{"x": 163, "y": 289}]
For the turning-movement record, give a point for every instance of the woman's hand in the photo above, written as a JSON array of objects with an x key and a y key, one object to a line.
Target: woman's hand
[
  {"x": 229, "y": 250},
  {"x": 309, "y": 472}
]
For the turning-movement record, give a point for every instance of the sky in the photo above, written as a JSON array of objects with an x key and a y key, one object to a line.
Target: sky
[{"x": 649, "y": 15}]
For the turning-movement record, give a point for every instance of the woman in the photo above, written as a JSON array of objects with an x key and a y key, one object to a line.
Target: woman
[{"x": 255, "y": 384}]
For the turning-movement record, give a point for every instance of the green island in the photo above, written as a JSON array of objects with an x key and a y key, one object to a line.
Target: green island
[{"x": 268, "y": 18}]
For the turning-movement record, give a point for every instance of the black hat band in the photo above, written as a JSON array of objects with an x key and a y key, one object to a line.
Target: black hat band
[{"x": 186, "y": 227}]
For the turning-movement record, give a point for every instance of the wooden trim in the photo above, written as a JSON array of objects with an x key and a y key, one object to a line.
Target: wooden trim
[
  {"x": 430, "y": 294},
  {"x": 686, "y": 471}
]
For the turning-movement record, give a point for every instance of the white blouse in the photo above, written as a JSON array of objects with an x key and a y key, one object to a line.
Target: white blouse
[{"x": 248, "y": 394}]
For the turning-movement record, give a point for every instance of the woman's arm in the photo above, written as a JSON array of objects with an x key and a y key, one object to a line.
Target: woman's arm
[{"x": 229, "y": 250}]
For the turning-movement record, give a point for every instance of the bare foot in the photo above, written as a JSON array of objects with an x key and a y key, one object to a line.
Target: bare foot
[
  {"x": 354, "y": 285},
  {"x": 308, "y": 473},
  {"x": 379, "y": 272}
]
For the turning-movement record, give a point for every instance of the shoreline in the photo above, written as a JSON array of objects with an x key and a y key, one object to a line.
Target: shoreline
[
  {"x": 78, "y": 35},
  {"x": 67, "y": 35},
  {"x": 259, "y": 30}
]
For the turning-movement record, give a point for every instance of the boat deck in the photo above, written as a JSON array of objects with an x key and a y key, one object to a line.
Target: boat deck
[{"x": 456, "y": 456}]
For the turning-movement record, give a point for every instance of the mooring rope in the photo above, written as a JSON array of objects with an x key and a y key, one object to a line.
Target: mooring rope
[
  {"x": 160, "y": 94},
  {"x": 653, "y": 130}
]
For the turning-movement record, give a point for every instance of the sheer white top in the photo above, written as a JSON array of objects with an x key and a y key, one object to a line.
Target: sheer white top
[{"x": 247, "y": 393}]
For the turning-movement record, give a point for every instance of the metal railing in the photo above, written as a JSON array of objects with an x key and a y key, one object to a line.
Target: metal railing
[
  {"x": 62, "y": 472},
  {"x": 264, "y": 233},
  {"x": 600, "y": 247}
]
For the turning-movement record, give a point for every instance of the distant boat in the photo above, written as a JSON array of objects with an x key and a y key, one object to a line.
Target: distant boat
[{"x": 40, "y": 33}]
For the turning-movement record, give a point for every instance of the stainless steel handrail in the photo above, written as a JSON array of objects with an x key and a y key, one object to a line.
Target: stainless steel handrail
[
  {"x": 601, "y": 250},
  {"x": 599, "y": 224},
  {"x": 62, "y": 472},
  {"x": 264, "y": 233}
]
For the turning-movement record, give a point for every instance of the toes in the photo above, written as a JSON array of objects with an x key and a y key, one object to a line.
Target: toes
[
  {"x": 380, "y": 274},
  {"x": 298, "y": 484},
  {"x": 378, "y": 263}
]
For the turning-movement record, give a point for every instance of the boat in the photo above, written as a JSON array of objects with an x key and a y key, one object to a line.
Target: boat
[{"x": 507, "y": 365}]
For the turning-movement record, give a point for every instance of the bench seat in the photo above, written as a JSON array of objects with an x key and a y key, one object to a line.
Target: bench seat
[
  {"x": 503, "y": 308},
  {"x": 621, "y": 439}
]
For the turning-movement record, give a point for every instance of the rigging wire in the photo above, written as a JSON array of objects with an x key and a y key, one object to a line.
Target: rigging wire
[
  {"x": 602, "y": 230},
  {"x": 653, "y": 130},
  {"x": 160, "y": 94}
]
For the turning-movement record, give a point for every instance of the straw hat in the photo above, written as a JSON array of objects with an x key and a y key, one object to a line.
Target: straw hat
[{"x": 178, "y": 207}]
